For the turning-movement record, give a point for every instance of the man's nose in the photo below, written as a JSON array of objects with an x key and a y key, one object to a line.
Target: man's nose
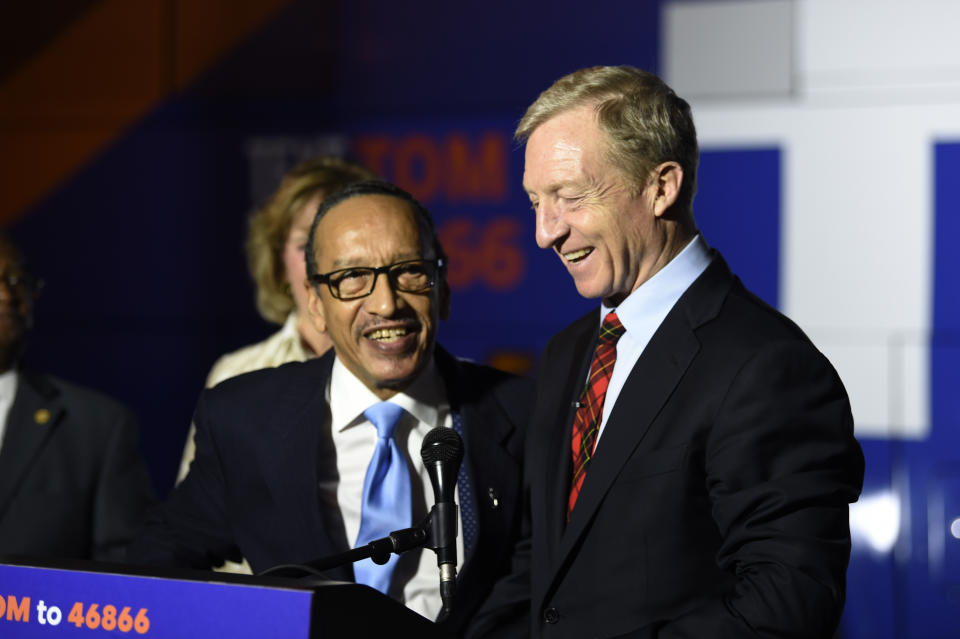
[
  {"x": 550, "y": 226},
  {"x": 383, "y": 300}
]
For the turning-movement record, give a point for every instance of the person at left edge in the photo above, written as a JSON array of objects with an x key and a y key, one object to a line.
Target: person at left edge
[
  {"x": 282, "y": 453},
  {"x": 73, "y": 484}
]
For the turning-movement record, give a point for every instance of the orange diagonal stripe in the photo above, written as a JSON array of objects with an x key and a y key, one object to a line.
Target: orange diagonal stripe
[{"x": 101, "y": 75}]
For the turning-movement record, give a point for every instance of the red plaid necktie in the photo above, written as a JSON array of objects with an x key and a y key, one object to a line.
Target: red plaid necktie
[{"x": 590, "y": 407}]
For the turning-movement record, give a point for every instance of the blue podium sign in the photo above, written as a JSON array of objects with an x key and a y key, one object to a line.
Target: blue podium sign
[{"x": 51, "y": 602}]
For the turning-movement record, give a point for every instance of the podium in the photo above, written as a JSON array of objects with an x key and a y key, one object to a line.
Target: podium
[{"x": 84, "y": 599}]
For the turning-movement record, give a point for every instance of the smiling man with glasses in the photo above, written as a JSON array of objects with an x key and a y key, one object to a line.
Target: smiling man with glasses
[
  {"x": 383, "y": 328},
  {"x": 309, "y": 459}
]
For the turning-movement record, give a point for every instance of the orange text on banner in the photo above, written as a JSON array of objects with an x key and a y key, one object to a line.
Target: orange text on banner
[
  {"x": 457, "y": 167},
  {"x": 483, "y": 252},
  {"x": 13, "y": 610}
]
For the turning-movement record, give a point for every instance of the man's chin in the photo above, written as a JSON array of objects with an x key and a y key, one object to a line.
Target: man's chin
[
  {"x": 397, "y": 376},
  {"x": 588, "y": 289},
  {"x": 592, "y": 290}
]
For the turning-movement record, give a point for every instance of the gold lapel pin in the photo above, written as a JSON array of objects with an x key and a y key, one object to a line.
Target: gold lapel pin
[{"x": 42, "y": 416}]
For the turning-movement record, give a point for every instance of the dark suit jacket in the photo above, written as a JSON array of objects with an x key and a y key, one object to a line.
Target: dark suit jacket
[
  {"x": 72, "y": 480},
  {"x": 253, "y": 485},
  {"x": 717, "y": 501}
]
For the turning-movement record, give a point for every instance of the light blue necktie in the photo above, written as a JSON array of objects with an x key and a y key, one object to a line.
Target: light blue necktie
[{"x": 386, "y": 495}]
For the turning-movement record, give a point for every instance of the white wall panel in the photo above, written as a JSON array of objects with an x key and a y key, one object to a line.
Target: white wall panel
[{"x": 880, "y": 85}]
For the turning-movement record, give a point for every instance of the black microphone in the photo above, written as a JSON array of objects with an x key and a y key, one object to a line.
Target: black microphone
[{"x": 442, "y": 453}]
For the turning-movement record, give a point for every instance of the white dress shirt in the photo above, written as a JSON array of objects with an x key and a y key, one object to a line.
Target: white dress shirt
[
  {"x": 8, "y": 390},
  {"x": 642, "y": 312},
  {"x": 355, "y": 439}
]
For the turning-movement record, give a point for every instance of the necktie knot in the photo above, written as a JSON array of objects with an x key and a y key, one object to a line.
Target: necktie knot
[
  {"x": 384, "y": 416},
  {"x": 611, "y": 330}
]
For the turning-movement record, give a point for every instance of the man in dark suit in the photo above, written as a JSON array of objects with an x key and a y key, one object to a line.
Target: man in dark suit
[
  {"x": 285, "y": 455},
  {"x": 691, "y": 454},
  {"x": 72, "y": 482}
]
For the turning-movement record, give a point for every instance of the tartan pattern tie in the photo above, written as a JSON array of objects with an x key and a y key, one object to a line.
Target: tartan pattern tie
[{"x": 590, "y": 407}]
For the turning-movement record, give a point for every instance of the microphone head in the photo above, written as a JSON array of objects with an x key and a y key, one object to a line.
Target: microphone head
[{"x": 443, "y": 445}]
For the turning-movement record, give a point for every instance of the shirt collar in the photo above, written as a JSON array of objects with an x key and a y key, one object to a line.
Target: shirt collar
[
  {"x": 8, "y": 385},
  {"x": 657, "y": 295},
  {"x": 424, "y": 398}
]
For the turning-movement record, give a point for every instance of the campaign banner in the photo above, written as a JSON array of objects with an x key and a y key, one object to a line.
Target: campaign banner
[{"x": 50, "y": 602}]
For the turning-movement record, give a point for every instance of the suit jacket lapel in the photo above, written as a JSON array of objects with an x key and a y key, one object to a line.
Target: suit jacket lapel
[
  {"x": 34, "y": 415},
  {"x": 485, "y": 434},
  {"x": 568, "y": 377},
  {"x": 493, "y": 470},
  {"x": 648, "y": 387},
  {"x": 293, "y": 436}
]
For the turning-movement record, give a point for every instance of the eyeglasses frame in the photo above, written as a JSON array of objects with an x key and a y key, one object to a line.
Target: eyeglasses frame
[{"x": 325, "y": 278}]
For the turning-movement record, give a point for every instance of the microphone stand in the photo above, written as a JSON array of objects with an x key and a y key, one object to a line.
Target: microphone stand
[
  {"x": 442, "y": 454},
  {"x": 444, "y": 537},
  {"x": 428, "y": 534},
  {"x": 379, "y": 550}
]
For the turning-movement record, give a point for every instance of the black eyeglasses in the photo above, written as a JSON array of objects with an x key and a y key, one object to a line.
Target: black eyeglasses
[{"x": 410, "y": 276}]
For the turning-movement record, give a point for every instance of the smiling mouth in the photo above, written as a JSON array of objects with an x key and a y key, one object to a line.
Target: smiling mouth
[
  {"x": 388, "y": 335},
  {"x": 576, "y": 256}
]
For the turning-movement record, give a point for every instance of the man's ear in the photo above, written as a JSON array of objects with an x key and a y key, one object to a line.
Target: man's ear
[
  {"x": 667, "y": 180},
  {"x": 444, "y": 299},
  {"x": 315, "y": 307}
]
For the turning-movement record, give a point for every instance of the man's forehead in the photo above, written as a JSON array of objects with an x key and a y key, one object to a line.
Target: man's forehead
[
  {"x": 559, "y": 149},
  {"x": 360, "y": 208},
  {"x": 352, "y": 232},
  {"x": 560, "y": 153}
]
